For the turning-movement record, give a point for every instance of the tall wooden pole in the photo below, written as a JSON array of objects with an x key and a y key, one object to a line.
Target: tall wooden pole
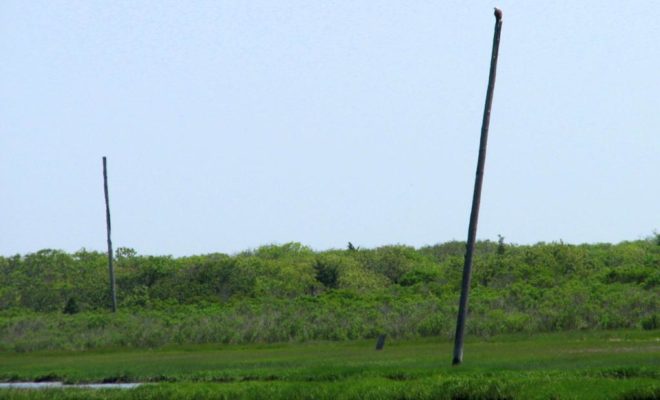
[
  {"x": 113, "y": 293},
  {"x": 474, "y": 215}
]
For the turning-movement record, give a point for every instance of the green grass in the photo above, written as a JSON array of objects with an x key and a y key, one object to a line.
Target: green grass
[{"x": 575, "y": 365}]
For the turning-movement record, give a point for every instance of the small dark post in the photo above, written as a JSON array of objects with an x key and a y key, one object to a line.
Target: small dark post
[
  {"x": 113, "y": 293},
  {"x": 474, "y": 215},
  {"x": 381, "y": 342}
]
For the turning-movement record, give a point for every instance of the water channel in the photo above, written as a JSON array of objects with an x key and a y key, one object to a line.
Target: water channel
[{"x": 60, "y": 385}]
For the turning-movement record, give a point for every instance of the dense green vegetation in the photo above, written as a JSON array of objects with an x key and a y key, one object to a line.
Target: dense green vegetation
[
  {"x": 572, "y": 365},
  {"x": 278, "y": 293}
]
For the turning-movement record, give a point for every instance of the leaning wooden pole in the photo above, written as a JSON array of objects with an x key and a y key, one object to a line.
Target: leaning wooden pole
[
  {"x": 476, "y": 198},
  {"x": 113, "y": 292}
]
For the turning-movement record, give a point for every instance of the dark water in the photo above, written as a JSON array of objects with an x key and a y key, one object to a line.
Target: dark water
[{"x": 60, "y": 385}]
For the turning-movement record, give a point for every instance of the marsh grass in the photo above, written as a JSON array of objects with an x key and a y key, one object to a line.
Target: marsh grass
[{"x": 577, "y": 365}]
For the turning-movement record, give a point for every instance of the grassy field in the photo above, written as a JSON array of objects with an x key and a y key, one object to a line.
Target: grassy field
[{"x": 577, "y": 365}]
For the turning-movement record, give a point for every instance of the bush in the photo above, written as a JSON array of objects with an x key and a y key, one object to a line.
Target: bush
[
  {"x": 650, "y": 323},
  {"x": 290, "y": 292},
  {"x": 71, "y": 306}
]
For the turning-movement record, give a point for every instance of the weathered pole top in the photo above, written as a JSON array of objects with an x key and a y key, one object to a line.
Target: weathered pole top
[{"x": 498, "y": 14}]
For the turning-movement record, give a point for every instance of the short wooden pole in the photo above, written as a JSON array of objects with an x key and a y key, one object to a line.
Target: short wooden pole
[{"x": 380, "y": 343}]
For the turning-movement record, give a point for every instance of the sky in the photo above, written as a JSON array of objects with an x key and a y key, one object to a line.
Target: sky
[{"x": 233, "y": 124}]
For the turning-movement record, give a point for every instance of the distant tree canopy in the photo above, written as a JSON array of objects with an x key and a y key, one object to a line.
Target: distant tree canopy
[{"x": 557, "y": 285}]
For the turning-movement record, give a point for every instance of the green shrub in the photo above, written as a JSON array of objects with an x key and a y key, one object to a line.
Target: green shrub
[
  {"x": 71, "y": 306},
  {"x": 291, "y": 293},
  {"x": 650, "y": 323}
]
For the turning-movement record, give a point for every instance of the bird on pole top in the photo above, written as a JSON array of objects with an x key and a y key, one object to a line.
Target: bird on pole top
[{"x": 498, "y": 13}]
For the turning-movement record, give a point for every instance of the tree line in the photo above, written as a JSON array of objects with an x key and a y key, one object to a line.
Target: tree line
[{"x": 399, "y": 289}]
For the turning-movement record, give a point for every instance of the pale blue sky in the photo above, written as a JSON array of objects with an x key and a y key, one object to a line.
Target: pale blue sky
[{"x": 228, "y": 125}]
